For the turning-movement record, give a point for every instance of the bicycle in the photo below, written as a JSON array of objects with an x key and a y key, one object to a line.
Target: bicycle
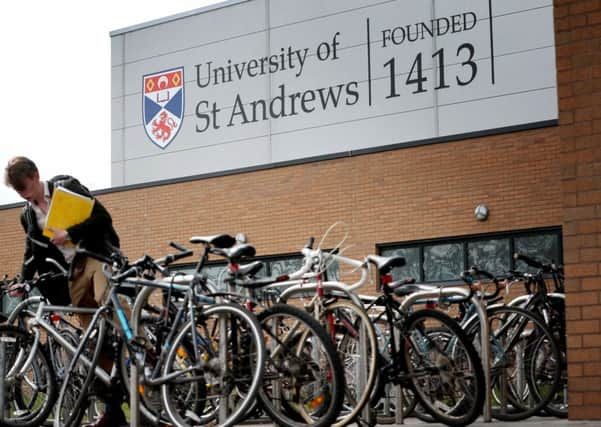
[
  {"x": 524, "y": 357},
  {"x": 336, "y": 306},
  {"x": 550, "y": 306},
  {"x": 197, "y": 350},
  {"x": 303, "y": 381},
  {"x": 28, "y": 385},
  {"x": 428, "y": 352}
]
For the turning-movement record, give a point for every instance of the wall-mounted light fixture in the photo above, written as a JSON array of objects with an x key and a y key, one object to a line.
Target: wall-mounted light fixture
[{"x": 481, "y": 212}]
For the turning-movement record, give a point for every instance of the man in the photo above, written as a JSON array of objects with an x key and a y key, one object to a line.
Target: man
[{"x": 87, "y": 285}]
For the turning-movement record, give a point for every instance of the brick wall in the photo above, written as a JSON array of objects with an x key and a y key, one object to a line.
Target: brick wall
[
  {"x": 578, "y": 39},
  {"x": 409, "y": 194}
]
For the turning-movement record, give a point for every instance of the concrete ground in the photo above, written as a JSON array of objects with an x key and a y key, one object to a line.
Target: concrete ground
[{"x": 531, "y": 422}]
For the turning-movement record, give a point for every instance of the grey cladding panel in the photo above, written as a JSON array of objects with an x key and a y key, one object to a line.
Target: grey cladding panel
[
  {"x": 200, "y": 161},
  {"x": 198, "y": 30},
  {"x": 375, "y": 74}
]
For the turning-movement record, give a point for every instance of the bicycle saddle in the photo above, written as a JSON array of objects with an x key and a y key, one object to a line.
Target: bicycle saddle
[
  {"x": 218, "y": 240},
  {"x": 385, "y": 264}
]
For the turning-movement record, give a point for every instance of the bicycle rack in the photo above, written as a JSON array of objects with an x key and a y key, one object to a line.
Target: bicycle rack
[
  {"x": 2, "y": 363},
  {"x": 134, "y": 395},
  {"x": 367, "y": 414},
  {"x": 480, "y": 305}
]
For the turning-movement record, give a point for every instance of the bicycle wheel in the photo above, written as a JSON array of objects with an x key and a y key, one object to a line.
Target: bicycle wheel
[
  {"x": 357, "y": 347},
  {"x": 558, "y": 405},
  {"x": 304, "y": 379},
  {"x": 153, "y": 327},
  {"x": 59, "y": 355},
  {"x": 29, "y": 384},
  {"x": 224, "y": 375},
  {"x": 386, "y": 397},
  {"x": 525, "y": 362},
  {"x": 443, "y": 367},
  {"x": 76, "y": 394}
]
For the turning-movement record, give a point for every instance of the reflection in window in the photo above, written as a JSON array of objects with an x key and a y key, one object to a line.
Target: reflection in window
[
  {"x": 217, "y": 272},
  {"x": 284, "y": 266},
  {"x": 490, "y": 255},
  {"x": 542, "y": 247},
  {"x": 411, "y": 268},
  {"x": 445, "y": 259},
  {"x": 443, "y": 262}
]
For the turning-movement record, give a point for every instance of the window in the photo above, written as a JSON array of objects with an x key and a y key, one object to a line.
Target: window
[
  {"x": 272, "y": 266},
  {"x": 444, "y": 259}
]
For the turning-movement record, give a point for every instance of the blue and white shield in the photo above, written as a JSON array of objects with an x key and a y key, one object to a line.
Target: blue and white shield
[{"x": 163, "y": 105}]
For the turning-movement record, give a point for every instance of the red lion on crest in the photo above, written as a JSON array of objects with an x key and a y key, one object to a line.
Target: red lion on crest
[{"x": 162, "y": 127}]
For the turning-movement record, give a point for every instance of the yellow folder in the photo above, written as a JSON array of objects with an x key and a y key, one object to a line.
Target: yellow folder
[{"x": 66, "y": 209}]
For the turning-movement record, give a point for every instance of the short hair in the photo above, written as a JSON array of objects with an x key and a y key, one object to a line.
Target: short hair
[{"x": 17, "y": 170}]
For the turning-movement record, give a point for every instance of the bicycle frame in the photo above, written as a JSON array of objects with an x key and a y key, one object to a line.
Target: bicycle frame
[{"x": 39, "y": 322}]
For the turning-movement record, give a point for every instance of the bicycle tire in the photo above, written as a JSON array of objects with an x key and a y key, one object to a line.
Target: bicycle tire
[
  {"x": 558, "y": 405},
  {"x": 151, "y": 404},
  {"x": 76, "y": 391},
  {"x": 511, "y": 396},
  {"x": 59, "y": 355},
  {"x": 384, "y": 398},
  {"x": 350, "y": 323},
  {"x": 445, "y": 373},
  {"x": 29, "y": 398},
  {"x": 304, "y": 379},
  {"x": 232, "y": 376}
]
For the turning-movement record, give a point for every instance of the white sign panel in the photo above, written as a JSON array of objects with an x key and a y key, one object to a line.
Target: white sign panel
[{"x": 283, "y": 81}]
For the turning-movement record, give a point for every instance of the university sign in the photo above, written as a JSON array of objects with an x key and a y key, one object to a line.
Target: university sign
[{"x": 326, "y": 79}]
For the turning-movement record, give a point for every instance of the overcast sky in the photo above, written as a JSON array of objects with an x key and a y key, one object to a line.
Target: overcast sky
[{"x": 55, "y": 76}]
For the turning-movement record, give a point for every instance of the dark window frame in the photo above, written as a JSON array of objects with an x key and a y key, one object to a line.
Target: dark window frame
[
  {"x": 464, "y": 240},
  {"x": 267, "y": 260}
]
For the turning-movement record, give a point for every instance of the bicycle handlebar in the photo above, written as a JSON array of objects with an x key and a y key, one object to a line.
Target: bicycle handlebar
[
  {"x": 468, "y": 278},
  {"x": 546, "y": 268},
  {"x": 531, "y": 262},
  {"x": 317, "y": 256},
  {"x": 169, "y": 258}
]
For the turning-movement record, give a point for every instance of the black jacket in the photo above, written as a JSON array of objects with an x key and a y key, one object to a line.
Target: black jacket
[{"x": 95, "y": 234}]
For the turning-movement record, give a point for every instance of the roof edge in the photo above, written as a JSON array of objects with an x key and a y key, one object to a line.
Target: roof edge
[{"x": 175, "y": 17}]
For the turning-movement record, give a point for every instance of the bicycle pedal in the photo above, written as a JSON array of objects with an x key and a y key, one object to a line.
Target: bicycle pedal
[{"x": 142, "y": 342}]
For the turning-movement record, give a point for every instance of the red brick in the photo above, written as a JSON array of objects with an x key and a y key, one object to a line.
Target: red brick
[
  {"x": 592, "y": 341},
  {"x": 585, "y": 412},
  {"x": 589, "y": 198},
  {"x": 575, "y": 399},
  {"x": 592, "y": 398},
  {"x": 594, "y": 18},
  {"x": 591, "y": 283},
  {"x": 575, "y": 370},
  {"x": 582, "y": 270},
  {"x": 583, "y": 327},
  {"x": 585, "y": 384},
  {"x": 574, "y": 341},
  {"x": 583, "y": 6}
]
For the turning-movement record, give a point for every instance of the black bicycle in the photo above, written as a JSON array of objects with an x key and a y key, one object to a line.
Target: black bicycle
[{"x": 429, "y": 353}]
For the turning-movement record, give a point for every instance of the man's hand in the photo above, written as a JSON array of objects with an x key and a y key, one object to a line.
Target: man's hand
[
  {"x": 60, "y": 237},
  {"x": 17, "y": 290}
]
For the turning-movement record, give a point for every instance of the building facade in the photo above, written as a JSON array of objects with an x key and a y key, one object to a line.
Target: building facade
[{"x": 396, "y": 118}]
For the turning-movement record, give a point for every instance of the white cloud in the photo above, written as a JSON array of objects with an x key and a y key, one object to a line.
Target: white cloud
[{"x": 55, "y": 74}]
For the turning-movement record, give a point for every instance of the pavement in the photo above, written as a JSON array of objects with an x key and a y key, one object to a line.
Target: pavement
[{"x": 530, "y": 422}]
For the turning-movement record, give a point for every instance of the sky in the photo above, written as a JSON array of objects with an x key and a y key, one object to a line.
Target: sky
[{"x": 55, "y": 74}]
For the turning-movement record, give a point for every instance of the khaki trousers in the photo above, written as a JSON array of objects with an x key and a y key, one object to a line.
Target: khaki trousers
[{"x": 89, "y": 288}]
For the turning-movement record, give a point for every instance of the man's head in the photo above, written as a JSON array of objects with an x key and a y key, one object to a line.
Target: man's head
[{"x": 22, "y": 174}]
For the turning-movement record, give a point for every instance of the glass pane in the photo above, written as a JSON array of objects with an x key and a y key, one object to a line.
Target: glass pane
[
  {"x": 443, "y": 262},
  {"x": 285, "y": 266},
  {"x": 542, "y": 247},
  {"x": 490, "y": 255},
  {"x": 411, "y": 267},
  {"x": 214, "y": 272}
]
